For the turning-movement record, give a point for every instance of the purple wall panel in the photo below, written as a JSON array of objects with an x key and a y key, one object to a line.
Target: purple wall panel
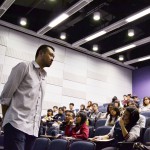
[{"x": 141, "y": 82}]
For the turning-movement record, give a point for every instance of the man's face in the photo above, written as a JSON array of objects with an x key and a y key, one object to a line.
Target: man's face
[
  {"x": 71, "y": 107},
  {"x": 48, "y": 57},
  {"x": 69, "y": 117},
  {"x": 95, "y": 108}
]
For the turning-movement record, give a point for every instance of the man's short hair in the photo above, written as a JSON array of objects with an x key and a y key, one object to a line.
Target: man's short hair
[
  {"x": 43, "y": 48},
  {"x": 55, "y": 107},
  {"x": 69, "y": 111},
  {"x": 71, "y": 104}
]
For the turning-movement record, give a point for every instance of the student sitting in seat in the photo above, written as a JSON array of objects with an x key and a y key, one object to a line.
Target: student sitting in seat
[
  {"x": 126, "y": 129},
  {"x": 113, "y": 117}
]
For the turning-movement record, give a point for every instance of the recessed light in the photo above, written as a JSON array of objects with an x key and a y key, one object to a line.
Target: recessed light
[
  {"x": 63, "y": 35},
  {"x": 121, "y": 57},
  {"x": 96, "y": 16},
  {"x": 95, "y": 47},
  {"x": 130, "y": 32},
  {"x": 23, "y": 21}
]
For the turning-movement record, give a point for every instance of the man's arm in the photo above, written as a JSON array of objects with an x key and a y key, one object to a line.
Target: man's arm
[
  {"x": 4, "y": 109},
  {"x": 16, "y": 76}
]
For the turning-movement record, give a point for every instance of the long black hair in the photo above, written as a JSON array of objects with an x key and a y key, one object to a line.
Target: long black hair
[
  {"x": 134, "y": 116},
  {"x": 83, "y": 116}
]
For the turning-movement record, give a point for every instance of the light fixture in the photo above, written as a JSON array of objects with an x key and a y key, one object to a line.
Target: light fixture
[
  {"x": 125, "y": 48},
  {"x": 95, "y": 35},
  {"x": 58, "y": 20},
  {"x": 121, "y": 57},
  {"x": 23, "y": 21},
  {"x": 96, "y": 16},
  {"x": 63, "y": 35},
  {"x": 95, "y": 47},
  {"x": 138, "y": 15},
  {"x": 130, "y": 32},
  {"x": 144, "y": 58}
]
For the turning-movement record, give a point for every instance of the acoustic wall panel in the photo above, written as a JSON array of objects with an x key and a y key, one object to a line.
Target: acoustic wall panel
[
  {"x": 3, "y": 40},
  {"x": 2, "y": 50},
  {"x": 66, "y": 100},
  {"x": 74, "y": 93},
  {"x": 23, "y": 55},
  {"x": 74, "y": 77}
]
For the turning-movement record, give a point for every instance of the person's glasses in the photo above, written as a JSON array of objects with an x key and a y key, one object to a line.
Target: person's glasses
[{"x": 77, "y": 116}]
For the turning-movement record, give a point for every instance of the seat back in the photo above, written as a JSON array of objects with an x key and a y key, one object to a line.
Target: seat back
[
  {"x": 146, "y": 114},
  {"x": 84, "y": 145},
  {"x": 99, "y": 123},
  {"x": 102, "y": 130},
  {"x": 41, "y": 144},
  {"x": 146, "y": 136},
  {"x": 58, "y": 144},
  {"x": 91, "y": 131}
]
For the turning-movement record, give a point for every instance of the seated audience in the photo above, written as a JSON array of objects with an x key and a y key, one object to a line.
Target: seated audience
[
  {"x": 60, "y": 116},
  {"x": 126, "y": 129},
  {"x": 146, "y": 104},
  {"x": 89, "y": 106},
  {"x": 55, "y": 110},
  {"x": 109, "y": 108},
  {"x": 82, "y": 107},
  {"x": 71, "y": 107},
  {"x": 81, "y": 130},
  {"x": 48, "y": 117},
  {"x": 68, "y": 124},
  {"x": 95, "y": 114},
  {"x": 113, "y": 117}
]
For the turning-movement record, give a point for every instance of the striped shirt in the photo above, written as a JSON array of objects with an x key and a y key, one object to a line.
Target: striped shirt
[{"x": 23, "y": 93}]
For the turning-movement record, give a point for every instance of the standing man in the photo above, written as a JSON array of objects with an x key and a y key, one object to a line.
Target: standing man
[{"x": 21, "y": 100}]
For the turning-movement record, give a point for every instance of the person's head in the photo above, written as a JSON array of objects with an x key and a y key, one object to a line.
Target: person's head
[
  {"x": 49, "y": 112},
  {"x": 95, "y": 107},
  {"x": 124, "y": 97},
  {"x": 61, "y": 110},
  {"x": 114, "y": 99},
  {"x": 135, "y": 98},
  {"x": 130, "y": 116},
  {"x": 69, "y": 115},
  {"x": 128, "y": 96},
  {"x": 81, "y": 118},
  {"x": 115, "y": 112},
  {"x": 71, "y": 106},
  {"x": 55, "y": 108},
  {"x": 129, "y": 103},
  {"x": 89, "y": 103},
  {"x": 64, "y": 108},
  {"x": 82, "y": 107},
  {"x": 146, "y": 101},
  {"x": 45, "y": 56},
  {"x": 109, "y": 107},
  {"x": 117, "y": 104}
]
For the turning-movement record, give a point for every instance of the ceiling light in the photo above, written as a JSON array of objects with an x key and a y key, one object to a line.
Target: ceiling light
[
  {"x": 144, "y": 58},
  {"x": 63, "y": 35},
  {"x": 23, "y": 21},
  {"x": 96, "y": 16},
  {"x": 125, "y": 48},
  {"x": 58, "y": 20},
  {"x": 95, "y": 35},
  {"x": 138, "y": 15},
  {"x": 95, "y": 47},
  {"x": 121, "y": 57},
  {"x": 130, "y": 32}
]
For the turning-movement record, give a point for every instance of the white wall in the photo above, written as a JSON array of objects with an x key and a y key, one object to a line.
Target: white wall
[{"x": 73, "y": 76}]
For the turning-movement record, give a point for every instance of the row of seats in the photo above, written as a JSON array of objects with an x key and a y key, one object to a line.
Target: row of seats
[{"x": 62, "y": 144}]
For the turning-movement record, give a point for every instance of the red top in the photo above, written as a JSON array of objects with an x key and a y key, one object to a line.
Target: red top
[{"x": 81, "y": 132}]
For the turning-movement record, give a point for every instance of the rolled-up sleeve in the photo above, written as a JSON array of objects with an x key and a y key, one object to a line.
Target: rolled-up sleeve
[
  {"x": 134, "y": 133},
  {"x": 16, "y": 76}
]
